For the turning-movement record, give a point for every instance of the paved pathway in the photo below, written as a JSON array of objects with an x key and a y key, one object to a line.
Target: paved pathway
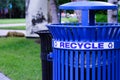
[
  {"x": 4, "y": 32},
  {"x": 3, "y": 77},
  {"x": 9, "y": 25}
]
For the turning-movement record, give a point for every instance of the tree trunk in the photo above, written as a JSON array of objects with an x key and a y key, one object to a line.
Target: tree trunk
[
  {"x": 53, "y": 11},
  {"x": 78, "y": 12},
  {"x": 112, "y": 14},
  {"x": 36, "y": 16},
  {"x": 27, "y": 6}
]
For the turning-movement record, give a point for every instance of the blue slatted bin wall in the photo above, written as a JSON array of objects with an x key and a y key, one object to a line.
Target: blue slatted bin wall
[{"x": 76, "y": 57}]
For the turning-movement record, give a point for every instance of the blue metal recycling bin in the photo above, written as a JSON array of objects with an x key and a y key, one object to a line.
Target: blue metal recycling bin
[{"x": 86, "y": 51}]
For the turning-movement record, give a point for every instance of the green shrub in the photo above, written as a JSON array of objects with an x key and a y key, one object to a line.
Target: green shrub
[
  {"x": 118, "y": 16},
  {"x": 101, "y": 18}
]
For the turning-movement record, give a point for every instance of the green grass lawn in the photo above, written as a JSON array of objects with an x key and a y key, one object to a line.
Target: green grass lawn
[
  {"x": 13, "y": 21},
  {"x": 14, "y": 28},
  {"x": 68, "y": 20},
  {"x": 20, "y": 58},
  {"x": 10, "y": 21}
]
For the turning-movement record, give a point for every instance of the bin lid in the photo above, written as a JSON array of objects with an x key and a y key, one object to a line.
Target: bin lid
[{"x": 92, "y": 5}]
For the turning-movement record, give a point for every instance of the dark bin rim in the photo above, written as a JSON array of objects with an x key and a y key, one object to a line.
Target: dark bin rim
[{"x": 42, "y": 31}]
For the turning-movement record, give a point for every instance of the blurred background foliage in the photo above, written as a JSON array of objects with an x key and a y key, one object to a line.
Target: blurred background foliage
[
  {"x": 12, "y": 8},
  {"x": 16, "y": 9}
]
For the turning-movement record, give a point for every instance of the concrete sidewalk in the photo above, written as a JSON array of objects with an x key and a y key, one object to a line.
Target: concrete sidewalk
[
  {"x": 4, "y": 32},
  {"x": 12, "y": 25},
  {"x": 3, "y": 77}
]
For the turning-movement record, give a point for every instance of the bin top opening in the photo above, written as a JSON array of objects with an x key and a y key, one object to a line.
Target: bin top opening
[{"x": 92, "y": 5}]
